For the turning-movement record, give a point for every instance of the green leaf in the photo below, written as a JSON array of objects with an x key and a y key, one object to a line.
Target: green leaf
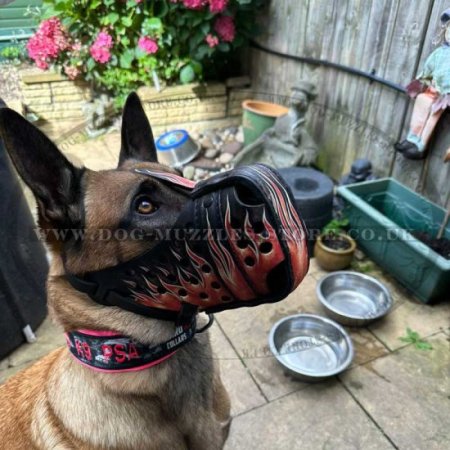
[
  {"x": 90, "y": 64},
  {"x": 422, "y": 345},
  {"x": 187, "y": 74},
  {"x": 152, "y": 25},
  {"x": 127, "y": 21},
  {"x": 161, "y": 9},
  {"x": 140, "y": 53},
  {"x": 202, "y": 51},
  {"x": 126, "y": 59},
  {"x": 113, "y": 61},
  {"x": 224, "y": 47},
  {"x": 206, "y": 27},
  {"x": 125, "y": 41},
  {"x": 112, "y": 18},
  {"x": 198, "y": 68}
]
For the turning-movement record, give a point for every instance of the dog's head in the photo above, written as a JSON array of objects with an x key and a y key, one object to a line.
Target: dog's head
[{"x": 94, "y": 219}]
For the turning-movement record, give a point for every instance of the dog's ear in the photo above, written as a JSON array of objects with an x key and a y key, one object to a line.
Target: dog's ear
[
  {"x": 137, "y": 136},
  {"x": 54, "y": 181}
]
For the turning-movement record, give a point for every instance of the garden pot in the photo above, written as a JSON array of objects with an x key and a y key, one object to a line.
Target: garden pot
[
  {"x": 257, "y": 117},
  {"x": 334, "y": 252},
  {"x": 385, "y": 219}
]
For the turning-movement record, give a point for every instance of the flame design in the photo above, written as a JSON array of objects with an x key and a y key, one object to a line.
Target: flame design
[
  {"x": 228, "y": 270},
  {"x": 170, "y": 177},
  {"x": 292, "y": 227},
  {"x": 204, "y": 285},
  {"x": 256, "y": 259}
]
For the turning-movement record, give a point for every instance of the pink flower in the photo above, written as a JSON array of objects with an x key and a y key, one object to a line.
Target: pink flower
[
  {"x": 71, "y": 71},
  {"x": 212, "y": 40},
  {"x": 225, "y": 28},
  {"x": 217, "y": 6},
  {"x": 101, "y": 46},
  {"x": 48, "y": 42},
  {"x": 148, "y": 45},
  {"x": 194, "y": 4}
]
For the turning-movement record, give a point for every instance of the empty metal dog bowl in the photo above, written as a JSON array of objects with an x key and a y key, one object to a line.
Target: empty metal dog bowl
[
  {"x": 310, "y": 348},
  {"x": 176, "y": 148},
  {"x": 352, "y": 298}
]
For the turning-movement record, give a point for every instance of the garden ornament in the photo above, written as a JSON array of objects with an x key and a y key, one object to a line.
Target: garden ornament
[
  {"x": 287, "y": 143},
  {"x": 98, "y": 115},
  {"x": 361, "y": 170},
  {"x": 431, "y": 90}
]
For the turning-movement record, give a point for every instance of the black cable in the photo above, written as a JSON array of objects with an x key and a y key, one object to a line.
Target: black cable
[{"x": 321, "y": 62}]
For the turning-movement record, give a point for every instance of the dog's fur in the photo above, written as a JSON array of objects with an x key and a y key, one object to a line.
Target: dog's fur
[{"x": 58, "y": 403}]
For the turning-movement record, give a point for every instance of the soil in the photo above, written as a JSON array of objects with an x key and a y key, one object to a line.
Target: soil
[
  {"x": 336, "y": 243},
  {"x": 440, "y": 246}
]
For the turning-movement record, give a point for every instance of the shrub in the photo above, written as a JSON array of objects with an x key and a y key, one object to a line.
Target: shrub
[{"x": 121, "y": 44}]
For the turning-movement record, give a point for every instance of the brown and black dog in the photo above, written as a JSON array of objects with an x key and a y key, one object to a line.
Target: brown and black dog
[{"x": 58, "y": 403}]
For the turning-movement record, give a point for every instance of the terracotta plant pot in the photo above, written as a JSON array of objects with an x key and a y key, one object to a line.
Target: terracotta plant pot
[
  {"x": 259, "y": 116},
  {"x": 330, "y": 258}
]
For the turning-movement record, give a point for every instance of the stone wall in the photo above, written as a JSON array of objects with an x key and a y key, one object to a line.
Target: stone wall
[
  {"x": 190, "y": 106},
  {"x": 52, "y": 96},
  {"x": 194, "y": 107}
]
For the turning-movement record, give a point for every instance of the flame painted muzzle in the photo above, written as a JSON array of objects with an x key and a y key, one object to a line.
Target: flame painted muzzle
[{"x": 237, "y": 242}]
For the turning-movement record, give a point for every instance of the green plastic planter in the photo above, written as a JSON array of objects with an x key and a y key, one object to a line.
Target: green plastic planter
[
  {"x": 381, "y": 214},
  {"x": 258, "y": 117}
]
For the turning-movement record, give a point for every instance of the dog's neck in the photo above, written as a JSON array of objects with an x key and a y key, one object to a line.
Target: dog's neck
[{"x": 73, "y": 310}]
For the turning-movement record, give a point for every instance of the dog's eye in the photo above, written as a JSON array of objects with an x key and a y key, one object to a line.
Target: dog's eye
[{"x": 145, "y": 206}]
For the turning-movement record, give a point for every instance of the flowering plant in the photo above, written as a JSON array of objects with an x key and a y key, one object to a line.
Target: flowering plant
[{"x": 121, "y": 44}]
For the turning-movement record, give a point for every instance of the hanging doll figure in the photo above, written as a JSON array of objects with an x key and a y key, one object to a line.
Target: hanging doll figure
[{"x": 432, "y": 92}]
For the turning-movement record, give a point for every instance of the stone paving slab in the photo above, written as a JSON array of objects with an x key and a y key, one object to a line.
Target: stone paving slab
[
  {"x": 408, "y": 394},
  {"x": 425, "y": 319},
  {"x": 49, "y": 337},
  {"x": 97, "y": 154},
  {"x": 248, "y": 331},
  {"x": 244, "y": 392},
  {"x": 322, "y": 416}
]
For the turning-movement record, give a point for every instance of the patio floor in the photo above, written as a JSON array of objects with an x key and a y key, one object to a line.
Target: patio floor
[{"x": 393, "y": 396}]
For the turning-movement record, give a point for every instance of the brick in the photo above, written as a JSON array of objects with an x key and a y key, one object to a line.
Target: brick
[
  {"x": 40, "y": 108},
  {"x": 70, "y": 84},
  {"x": 62, "y": 115},
  {"x": 43, "y": 77},
  {"x": 63, "y": 106},
  {"x": 33, "y": 93},
  {"x": 70, "y": 90},
  {"x": 41, "y": 100},
  {"x": 235, "y": 112},
  {"x": 33, "y": 87},
  {"x": 69, "y": 98},
  {"x": 189, "y": 90}
]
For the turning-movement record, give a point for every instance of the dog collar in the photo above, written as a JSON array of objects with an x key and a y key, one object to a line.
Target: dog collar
[{"x": 110, "y": 352}]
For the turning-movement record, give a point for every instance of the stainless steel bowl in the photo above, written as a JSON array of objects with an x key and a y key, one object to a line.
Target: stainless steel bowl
[
  {"x": 352, "y": 298},
  {"x": 176, "y": 148},
  {"x": 310, "y": 348}
]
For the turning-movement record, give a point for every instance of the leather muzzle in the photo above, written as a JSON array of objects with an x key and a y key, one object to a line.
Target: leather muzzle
[{"x": 238, "y": 241}]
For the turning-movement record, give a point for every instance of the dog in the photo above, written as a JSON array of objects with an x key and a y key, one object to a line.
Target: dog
[{"x": 58, "y": 403}]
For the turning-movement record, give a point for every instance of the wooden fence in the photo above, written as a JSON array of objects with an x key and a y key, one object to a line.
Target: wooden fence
[{"x": 353, "y": 117}]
